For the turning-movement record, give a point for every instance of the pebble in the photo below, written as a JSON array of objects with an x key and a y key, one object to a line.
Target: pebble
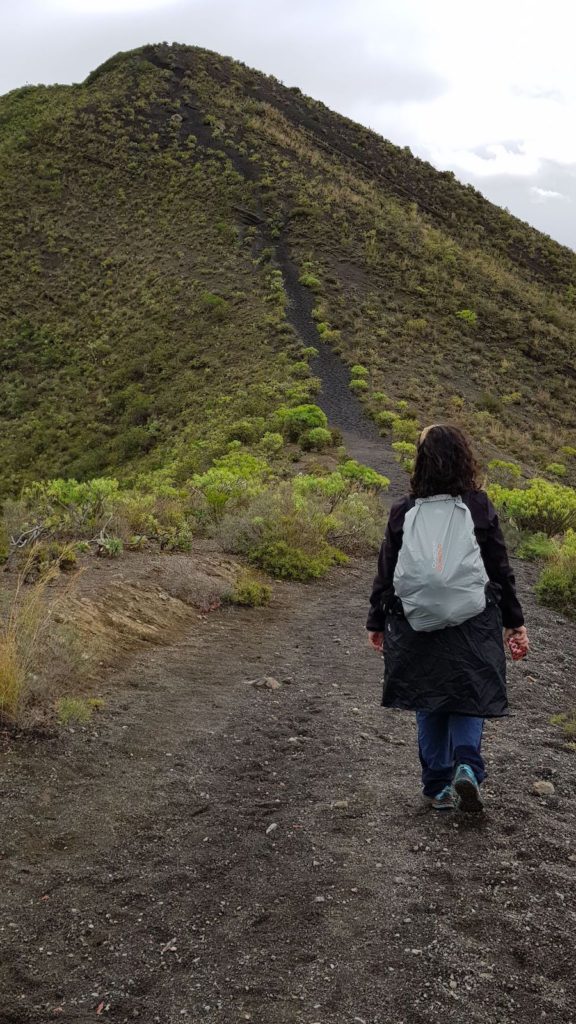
[
  {"x": 271, "y": 828},
  {"x": 270, "y": 683},
  {"x": 543, "y": 788},
  {"x": 340, "y": 803}
]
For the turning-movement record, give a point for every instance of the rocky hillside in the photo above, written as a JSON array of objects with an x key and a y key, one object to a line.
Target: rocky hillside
[{"x": 154, "y": 222}]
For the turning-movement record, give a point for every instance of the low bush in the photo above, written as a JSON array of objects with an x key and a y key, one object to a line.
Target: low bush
[
  {"x": 505, "y": 473},
  {"x": 286, "y": 562},
  {"x": 309, "y": 281},
  {"x": 405, "y": 454},
  {"x": 271, "y": 443},
  {"x": 541, "y": 507},
  {"x": 468, "y": 315},
  {"x": 556, "y": 469},
  {"x": 359, "y": 384},
  {"x": 536, "y": 546},
  {"x": 358, "y": 370},
  {"x": 556, "y": 587},
  {"x": 247, "y": 430},
  {"x": 299, "y": 528},
  {"x": 385, "y": 420},
  {"x": 316, "y": 439},
  {"x": 296, "y": 420},
  {"x": 74, "y": 710},
  {"x": 405, "y": 429},
  {"x": 250, "y": 592},
  {"x": 567, "y": 721},
  {"x": 109, "y": 547},
  {"x": 232, "y": 480},
  {"x": 364, "y": 475}
]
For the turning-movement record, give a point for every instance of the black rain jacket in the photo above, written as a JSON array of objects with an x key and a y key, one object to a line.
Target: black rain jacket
[{"x": 460, "y": 669}]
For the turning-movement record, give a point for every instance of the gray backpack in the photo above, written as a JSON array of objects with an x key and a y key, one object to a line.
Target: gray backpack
[{"x": 440, "y": 576}]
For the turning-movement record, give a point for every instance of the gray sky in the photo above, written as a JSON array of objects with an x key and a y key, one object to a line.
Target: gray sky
[{"x": 486, "y": 90}]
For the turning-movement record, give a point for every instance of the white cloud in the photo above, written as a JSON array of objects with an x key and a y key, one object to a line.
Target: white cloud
[{"x": 543, "y": 194}]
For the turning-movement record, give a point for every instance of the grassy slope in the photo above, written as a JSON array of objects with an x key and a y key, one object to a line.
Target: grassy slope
[{"x": 119, "y": 223}]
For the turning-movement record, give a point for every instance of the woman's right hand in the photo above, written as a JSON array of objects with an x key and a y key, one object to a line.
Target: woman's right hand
[
  {"x": 520, "y": 635},
  {"x": 376, "y": 641}
]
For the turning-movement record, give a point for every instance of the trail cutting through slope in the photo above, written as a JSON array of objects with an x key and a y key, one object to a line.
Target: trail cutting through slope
[{"x": 341, "y": 405}]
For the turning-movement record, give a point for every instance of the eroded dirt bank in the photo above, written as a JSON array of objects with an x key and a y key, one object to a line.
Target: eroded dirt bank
[{"x": 141, "y": 877}]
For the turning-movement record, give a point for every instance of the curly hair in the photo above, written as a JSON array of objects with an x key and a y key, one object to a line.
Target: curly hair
[{"x": 445, "y": 464}]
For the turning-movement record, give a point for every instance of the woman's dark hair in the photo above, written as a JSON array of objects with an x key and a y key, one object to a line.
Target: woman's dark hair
[{"x": 445, "y": 464}]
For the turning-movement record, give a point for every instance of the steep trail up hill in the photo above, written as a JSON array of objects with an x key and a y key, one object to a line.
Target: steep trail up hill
[{"x": 342, "y": 407}]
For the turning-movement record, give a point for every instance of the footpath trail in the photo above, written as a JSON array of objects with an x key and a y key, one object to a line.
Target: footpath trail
[{"x": 142, "y": 877}]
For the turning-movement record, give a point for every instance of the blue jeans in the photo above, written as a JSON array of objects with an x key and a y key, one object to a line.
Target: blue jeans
[{"x": 444, "y": 742}]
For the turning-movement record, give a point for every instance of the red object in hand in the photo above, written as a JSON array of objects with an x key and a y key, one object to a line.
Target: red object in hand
[{"x": 517, "y": 649}]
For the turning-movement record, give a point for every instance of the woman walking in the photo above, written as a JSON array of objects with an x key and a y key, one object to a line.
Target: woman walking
[{"x": 443, "y": 593}]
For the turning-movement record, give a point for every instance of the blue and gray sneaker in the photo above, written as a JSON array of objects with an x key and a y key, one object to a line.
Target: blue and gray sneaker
[
  {"x": 467, "y": 790},
  {"x": 443, "y": 801}
]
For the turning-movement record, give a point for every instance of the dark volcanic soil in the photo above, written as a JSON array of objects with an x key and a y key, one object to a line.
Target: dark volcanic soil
[{"x": 142, "y": 878}]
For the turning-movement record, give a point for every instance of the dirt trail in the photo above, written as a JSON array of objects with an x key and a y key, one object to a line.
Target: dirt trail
[{"x": 137, "y": 870}]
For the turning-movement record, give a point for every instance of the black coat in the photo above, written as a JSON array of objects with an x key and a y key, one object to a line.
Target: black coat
[{"x": 460, "y": 669}]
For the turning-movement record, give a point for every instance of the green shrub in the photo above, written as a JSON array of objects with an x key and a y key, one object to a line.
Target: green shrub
[
  {"x": 316, "y": 439},
  {"x": 309, "y": 281},
  {"x": 52, "y": 552},
  {"x": 364, "y": 475},
  {"x": 568, "y": 451},
  {"x": 505, "y": 473},
  {"x": 359, "y": 384},
  {"x": 250, "y": 592},
  {"x": 309, "y": 352},
  {"x": 109, "y": 547},
  {"x": 542, "y": 507},
  {"x": 556, "y": 469},
  {"x": 271, "y": 443},
  {"x": 215, "y": 305},
  {"x": 405, "y": 430},
  {"x": 385, "y": 420},
  {"x": 64, "y": 508},
  {"x": 247, "y": 430},
  {"x": 74, "y": 709},
  {"x": 232, "y": 480},
  {"x": 296, "y": 420},
  {"x": 285, "y": 562},
  {"x": 312, "y": 518},
  {"x": 556, "y": 587},
  {"x": 567, "y": 720},
  {"x": 358, "y": 370},
  {"x": 536, "y": 546},
  {"x": 468, "y": 315},
  {"x": 405, "y": 454},
  {"x": 300, "y": 369}
]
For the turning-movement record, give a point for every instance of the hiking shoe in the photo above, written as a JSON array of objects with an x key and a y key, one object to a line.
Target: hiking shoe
[
  {"x": 467, "y": 790},
  {"x": 443, "y": 801}
]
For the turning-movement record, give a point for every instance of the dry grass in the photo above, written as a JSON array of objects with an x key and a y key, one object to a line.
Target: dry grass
[{"x": 24, "y": 631}]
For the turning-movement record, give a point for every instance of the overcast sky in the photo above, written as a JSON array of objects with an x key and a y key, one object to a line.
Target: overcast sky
[{"x": 486, "y": 90}]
